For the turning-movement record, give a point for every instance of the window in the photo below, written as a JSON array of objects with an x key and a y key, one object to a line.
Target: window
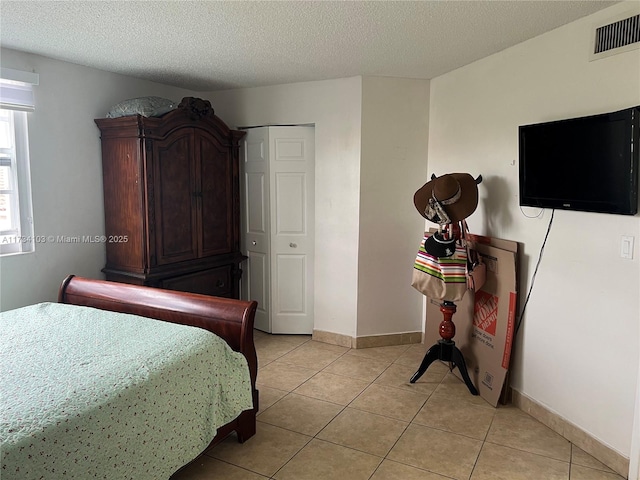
[{"x": 16, "y": 222}]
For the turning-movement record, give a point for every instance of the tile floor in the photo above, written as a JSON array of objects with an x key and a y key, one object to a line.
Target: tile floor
[{"x": 328, "y": 412}]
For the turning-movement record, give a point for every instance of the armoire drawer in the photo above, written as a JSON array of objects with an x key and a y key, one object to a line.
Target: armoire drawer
[{"x": 214, "y": 281}]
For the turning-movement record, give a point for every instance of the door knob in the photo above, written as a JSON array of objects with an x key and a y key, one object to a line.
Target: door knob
[{"x": 293, "y": 245}]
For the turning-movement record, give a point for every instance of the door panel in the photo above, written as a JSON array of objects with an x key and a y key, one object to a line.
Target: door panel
[
  {"x": 278, "y": 226},
  {"x": 292, "y": 247},
  {"x": 255, "y": 224},
  {"x": 290, "y": 285},
  {"x": 257, "y": 220},
  {"x": 290, "y": 149},
  {"x": 175, "y": 202},
  {"x": 290, "y": 204},
  {"x": 257, "y": 265}
]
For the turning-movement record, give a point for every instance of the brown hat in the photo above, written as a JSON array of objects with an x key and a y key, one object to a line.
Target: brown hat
[{"x": 455, "y": 193}]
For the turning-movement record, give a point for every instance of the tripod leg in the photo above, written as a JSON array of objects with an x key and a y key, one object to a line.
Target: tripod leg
[
  {"x": 432, "y": 354},
  {"x": 458, "y": 360}
]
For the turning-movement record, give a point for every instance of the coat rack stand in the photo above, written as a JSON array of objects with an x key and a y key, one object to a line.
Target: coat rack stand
[{"x": 445, "y": 349}]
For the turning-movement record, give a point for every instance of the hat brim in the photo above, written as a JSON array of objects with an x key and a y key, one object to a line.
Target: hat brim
[{"x": 461, "y": 209}]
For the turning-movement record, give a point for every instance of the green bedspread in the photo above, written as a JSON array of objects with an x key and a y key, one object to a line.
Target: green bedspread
[{"x": 86, "y": 393}]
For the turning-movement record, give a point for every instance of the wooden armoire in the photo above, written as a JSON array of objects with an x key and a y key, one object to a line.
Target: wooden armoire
[{"x": 171, "y": 200}]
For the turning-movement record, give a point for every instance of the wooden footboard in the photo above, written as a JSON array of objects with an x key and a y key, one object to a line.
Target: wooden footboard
[{"x": 230, "y": 319}]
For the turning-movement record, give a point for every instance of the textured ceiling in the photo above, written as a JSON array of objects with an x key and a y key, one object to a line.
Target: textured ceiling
[{"x": 215, "y": 45}]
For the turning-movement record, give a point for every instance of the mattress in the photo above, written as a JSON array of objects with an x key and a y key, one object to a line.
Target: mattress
[{"x": 87, "y": 393}]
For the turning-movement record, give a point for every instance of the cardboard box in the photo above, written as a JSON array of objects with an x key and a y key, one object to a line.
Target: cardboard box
[
  {"x": 485, "y": 323},
  {"x": 511, "y": 246}
]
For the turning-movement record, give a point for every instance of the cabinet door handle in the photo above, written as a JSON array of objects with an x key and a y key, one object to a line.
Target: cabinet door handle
[
  {"x": 253, "y": 242},
  {"x": 293, "y": 245}
]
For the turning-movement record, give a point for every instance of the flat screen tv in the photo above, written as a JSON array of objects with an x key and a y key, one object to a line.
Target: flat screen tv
[{"x": 587, "y": 163}]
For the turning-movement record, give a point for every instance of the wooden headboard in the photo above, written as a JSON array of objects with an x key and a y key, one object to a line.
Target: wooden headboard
[{"x": 230, "y": 319}]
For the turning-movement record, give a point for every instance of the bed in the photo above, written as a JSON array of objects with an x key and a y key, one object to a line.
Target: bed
[{"x": 70, "y": 411}]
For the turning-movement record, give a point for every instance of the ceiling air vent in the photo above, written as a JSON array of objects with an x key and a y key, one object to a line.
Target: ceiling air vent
[
  {"x": 616, "y": 37},
  {"x": 618, "y": 34}
]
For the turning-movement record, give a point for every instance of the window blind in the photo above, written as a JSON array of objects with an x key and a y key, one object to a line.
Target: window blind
[{"x": 16, "y": 89}]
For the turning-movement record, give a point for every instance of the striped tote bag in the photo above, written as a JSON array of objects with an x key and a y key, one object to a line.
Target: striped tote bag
[{"x": 441, "y": 278}]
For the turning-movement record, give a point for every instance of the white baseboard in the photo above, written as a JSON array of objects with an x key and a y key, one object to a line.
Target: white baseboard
[
  {"x": 601, "y": 452},
  {"x": 368, "y": 341}
]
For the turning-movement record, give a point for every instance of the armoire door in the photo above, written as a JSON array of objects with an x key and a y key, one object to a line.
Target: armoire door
[
  {"x": 279, "y": 221},
  {"x": 175, "y": 195},
  {"x": 171, "y": 185},
  {"x": 216, "y": 196}
]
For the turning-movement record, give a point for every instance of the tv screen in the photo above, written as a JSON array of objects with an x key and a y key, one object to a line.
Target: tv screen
[{"x": 588, "y": 163}]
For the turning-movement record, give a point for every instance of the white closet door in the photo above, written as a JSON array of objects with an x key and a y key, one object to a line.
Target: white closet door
[
  {"x": 255, "y": 223},
  {"x": 278, "y": 227},
  {"x": 292, "y": 168}
]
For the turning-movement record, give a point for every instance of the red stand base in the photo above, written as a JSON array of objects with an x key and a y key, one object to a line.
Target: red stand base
[{"x": 445, "y": 349}]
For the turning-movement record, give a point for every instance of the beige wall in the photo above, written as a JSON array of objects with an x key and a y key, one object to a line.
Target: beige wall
[
  {"x": 371, "y": 139},
  {"x": 577, "y": 351},
  {"x": 66, "y": 172},
  {"x": 392, "y": 167}
]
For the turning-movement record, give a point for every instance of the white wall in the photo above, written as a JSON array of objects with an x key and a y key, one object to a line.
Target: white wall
[
  {"x": 577, "y": 351},
  {"x": 634, "y": 464},
  {"x": 66, "y": 172},
  {"x": 334, "y": 106},
  {"x": 371, "y": 143},
  {"x": 392, "y": 167}
]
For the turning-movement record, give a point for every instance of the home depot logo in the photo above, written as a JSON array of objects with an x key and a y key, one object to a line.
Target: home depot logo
[{"x": 485, "y": 312}]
